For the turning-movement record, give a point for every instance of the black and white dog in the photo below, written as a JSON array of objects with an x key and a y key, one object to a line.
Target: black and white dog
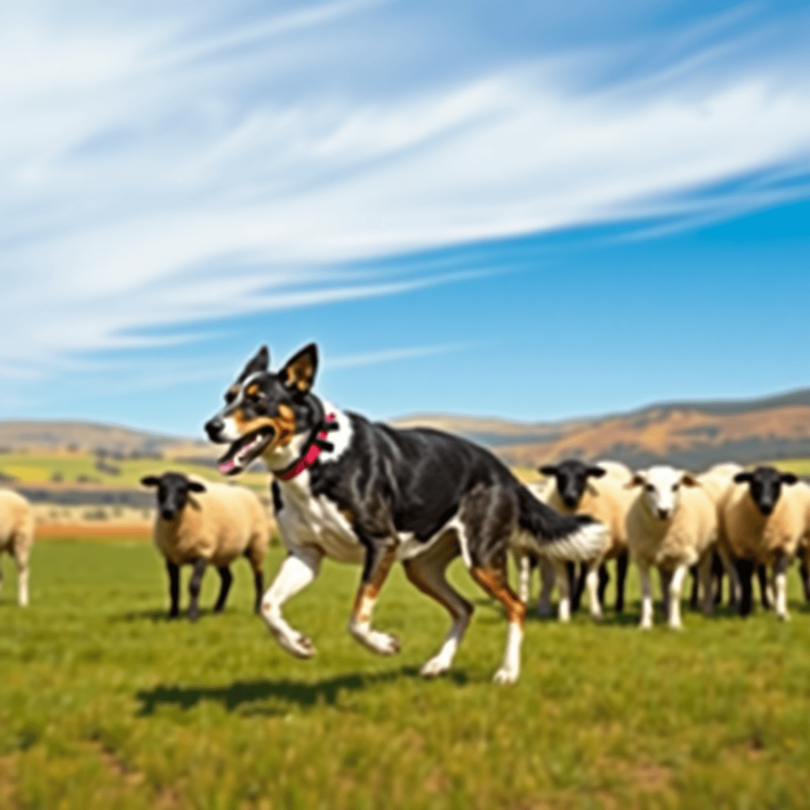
[{"x": 363, "y": 492}]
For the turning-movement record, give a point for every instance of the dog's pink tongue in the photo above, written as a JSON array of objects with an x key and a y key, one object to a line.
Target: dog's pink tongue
[{"x": 226, "y": 466}]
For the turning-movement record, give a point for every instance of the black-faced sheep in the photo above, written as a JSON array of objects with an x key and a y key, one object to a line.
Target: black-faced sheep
[
  {"x": 16, "y": 537},
  {"x": 597, "y": 490},
  {"x": 765, "y": 520},
  {"x": 204, "y": 523}
]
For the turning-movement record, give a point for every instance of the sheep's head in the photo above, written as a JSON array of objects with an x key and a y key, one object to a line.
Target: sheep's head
[
  {"x": 172, "y": 492},
  {"x": 571, "y": 477},
  {"x": 662, "y": 488},
  {"x": 263, "y": 410},
  {"x": 765, "y": 486}
]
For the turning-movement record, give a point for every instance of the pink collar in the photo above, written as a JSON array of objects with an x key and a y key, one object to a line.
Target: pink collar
[{"x": 308, "y": 459}]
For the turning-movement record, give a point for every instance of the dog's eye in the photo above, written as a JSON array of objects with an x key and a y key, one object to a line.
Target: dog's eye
[{"x": 230, "y": 396}]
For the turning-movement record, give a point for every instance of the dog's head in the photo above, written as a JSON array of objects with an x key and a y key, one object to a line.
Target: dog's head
[
  {"x": 265, "y": 411},
  {"x": 172, "y": 492}
]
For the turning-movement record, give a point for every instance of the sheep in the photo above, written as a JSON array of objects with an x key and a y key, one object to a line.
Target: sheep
[
  {"x": 596, "y": 490},
  {"x": 764, "y": 519},
  {"x": 671, "y": 524},
  {"x": 16, "y": 537},
  {"x": 200, "y": 523}
]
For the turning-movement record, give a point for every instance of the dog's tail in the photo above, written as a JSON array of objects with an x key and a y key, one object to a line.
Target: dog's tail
[{"x": 559, "y": 537}]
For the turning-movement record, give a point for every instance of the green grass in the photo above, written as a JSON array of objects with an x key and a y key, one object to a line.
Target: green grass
[{"x": 106, "y": 704}]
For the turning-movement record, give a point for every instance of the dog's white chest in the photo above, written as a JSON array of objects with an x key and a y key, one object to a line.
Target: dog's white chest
[{"x": 308, "y": 521}]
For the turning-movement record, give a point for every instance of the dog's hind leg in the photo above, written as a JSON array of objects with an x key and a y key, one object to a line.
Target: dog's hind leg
[
  {"x": 492, "y": 578},
  {"x": 297, "y": 571},
  {"x": 379, "y": 558},
  {"x": 427, "y": 572}
]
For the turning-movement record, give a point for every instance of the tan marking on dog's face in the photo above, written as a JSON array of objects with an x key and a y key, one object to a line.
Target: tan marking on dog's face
[
  {"x": 494, "y": 582},
  {"x": 252, "y": 389},
  {"x": 283, "y": 423}
]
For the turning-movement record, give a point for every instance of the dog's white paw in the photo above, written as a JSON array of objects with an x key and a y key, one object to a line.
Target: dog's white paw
[
  {"x": 506, "y": 675},
  {"x": 436, "y": 666},
  {"x": 299, "y": 646},
  {"x": 382, "y": 643}
]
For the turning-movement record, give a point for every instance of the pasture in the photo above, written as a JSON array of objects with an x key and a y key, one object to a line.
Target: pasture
[{"x": 107, "y": 704}]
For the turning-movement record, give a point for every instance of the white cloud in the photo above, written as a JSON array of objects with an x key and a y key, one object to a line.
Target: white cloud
[{"x": 153, "y": 179}]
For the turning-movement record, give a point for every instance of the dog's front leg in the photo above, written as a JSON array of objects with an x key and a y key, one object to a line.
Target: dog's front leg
[
  {"x": 380, "y": 554},
  {"x": 297, "y": 571}
]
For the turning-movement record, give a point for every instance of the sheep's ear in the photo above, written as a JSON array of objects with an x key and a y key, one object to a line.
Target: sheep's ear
[
  {"x": 689, "y": 480},
  {"x": 196, "y": 486},
  {"x": 595, "y": 472},
  {"x": 299, "y": 372},
  {"x": 150, "y": 481},
  {"x": 547, "y": 469},
  {"x": 741, "y": 478},
  {"x": 260, "y": 362},
  {"x": 789, "y": 478},
  {"x": 638, "y": 480}
]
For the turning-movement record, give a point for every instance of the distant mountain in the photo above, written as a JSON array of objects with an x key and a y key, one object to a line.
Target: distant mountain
[
  {"x": 691, "y": 434},
  {"x": 92, "y": 436}
]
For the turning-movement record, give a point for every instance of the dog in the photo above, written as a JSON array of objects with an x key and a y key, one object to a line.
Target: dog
[{"x": 367, "y": 493}]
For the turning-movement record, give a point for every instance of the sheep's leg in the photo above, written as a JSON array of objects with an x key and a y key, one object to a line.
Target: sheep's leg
[
  {"x": 666, "y": 580},
  {"x": 524, "y": 577},
  {"x": 427, "y": 572},
  {"x": 256, "y": 559},
  {"x": 21, "y": 556},
  {"x": 297, "y": 571},
  {"x": 745, "y": 570},
  {"x": 780, "y": 567},
  {"x": 563, "y": 583},
  {"x": 577, "y": 584},
  {"x": 706, "y": 578},
  {"x": 804, "y": 572},
  {"x": 694, "y": 597},
  {"x": 622, "y": 562},
  {"x": 194, "y": 586},
  {"x": 604, "y": 581},
  {"x": 718, "y": 569},
  {"x": 547, "y": 578},
  {"x": 226, "y": 578},
  {"x": 1, "y": 571},
  {"x": 734, "y": 584},
  {"x": 174, "y": 589},
  {"x": 675, "y": 585},
  {"x": 765, "y": 595},
  {"x": 646, "y": 597},
  {"x": 380, "y": 555},
  {"x": 592, "y": 583}
]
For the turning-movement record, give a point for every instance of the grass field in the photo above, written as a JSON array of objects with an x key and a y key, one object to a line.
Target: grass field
[{"x": 105, "y": 704}]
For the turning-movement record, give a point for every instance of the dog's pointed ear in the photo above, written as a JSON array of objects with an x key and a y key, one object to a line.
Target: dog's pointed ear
[
  {"x": 299, "y": 372},
  {"x": 196, "y": 486},
  {"x": 150, "y": 481},
  {"x": 260, "y": 362}
]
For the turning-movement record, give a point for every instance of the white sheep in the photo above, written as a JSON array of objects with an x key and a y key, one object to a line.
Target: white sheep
[
  {"x": 764, "y": 520},
  {"x": 206, "y": 523},
  {"x": 597, "y": 490},
  {"x": 672, "y": 524},
  {"x": 16, "y": 537}
]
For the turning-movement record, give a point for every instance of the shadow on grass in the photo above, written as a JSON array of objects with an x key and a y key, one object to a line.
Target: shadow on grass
[
  {"x": 158, "y": 616},
  {"x": 299, "y": 693}
]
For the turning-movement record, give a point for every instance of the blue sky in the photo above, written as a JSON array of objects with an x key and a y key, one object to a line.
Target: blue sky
[{"x": 530, "y": 210}]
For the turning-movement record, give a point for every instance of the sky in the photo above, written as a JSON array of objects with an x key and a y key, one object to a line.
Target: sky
[{"x": 528, "y": 210}]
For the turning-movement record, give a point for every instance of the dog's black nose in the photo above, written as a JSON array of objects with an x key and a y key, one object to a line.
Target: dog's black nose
[{"x": 213, "y": 427}]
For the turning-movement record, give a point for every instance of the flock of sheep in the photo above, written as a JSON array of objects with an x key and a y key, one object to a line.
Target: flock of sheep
[
  {"x": 674, "y": 521},
  {"x": 660, "y": 517}
]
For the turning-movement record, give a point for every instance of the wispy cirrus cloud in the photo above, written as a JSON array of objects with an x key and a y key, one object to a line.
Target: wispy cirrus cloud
[{"x": 171, "y": 164}]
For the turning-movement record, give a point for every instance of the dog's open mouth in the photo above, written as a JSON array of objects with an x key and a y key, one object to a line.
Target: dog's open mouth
[{"x": 243, "y": 451}]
